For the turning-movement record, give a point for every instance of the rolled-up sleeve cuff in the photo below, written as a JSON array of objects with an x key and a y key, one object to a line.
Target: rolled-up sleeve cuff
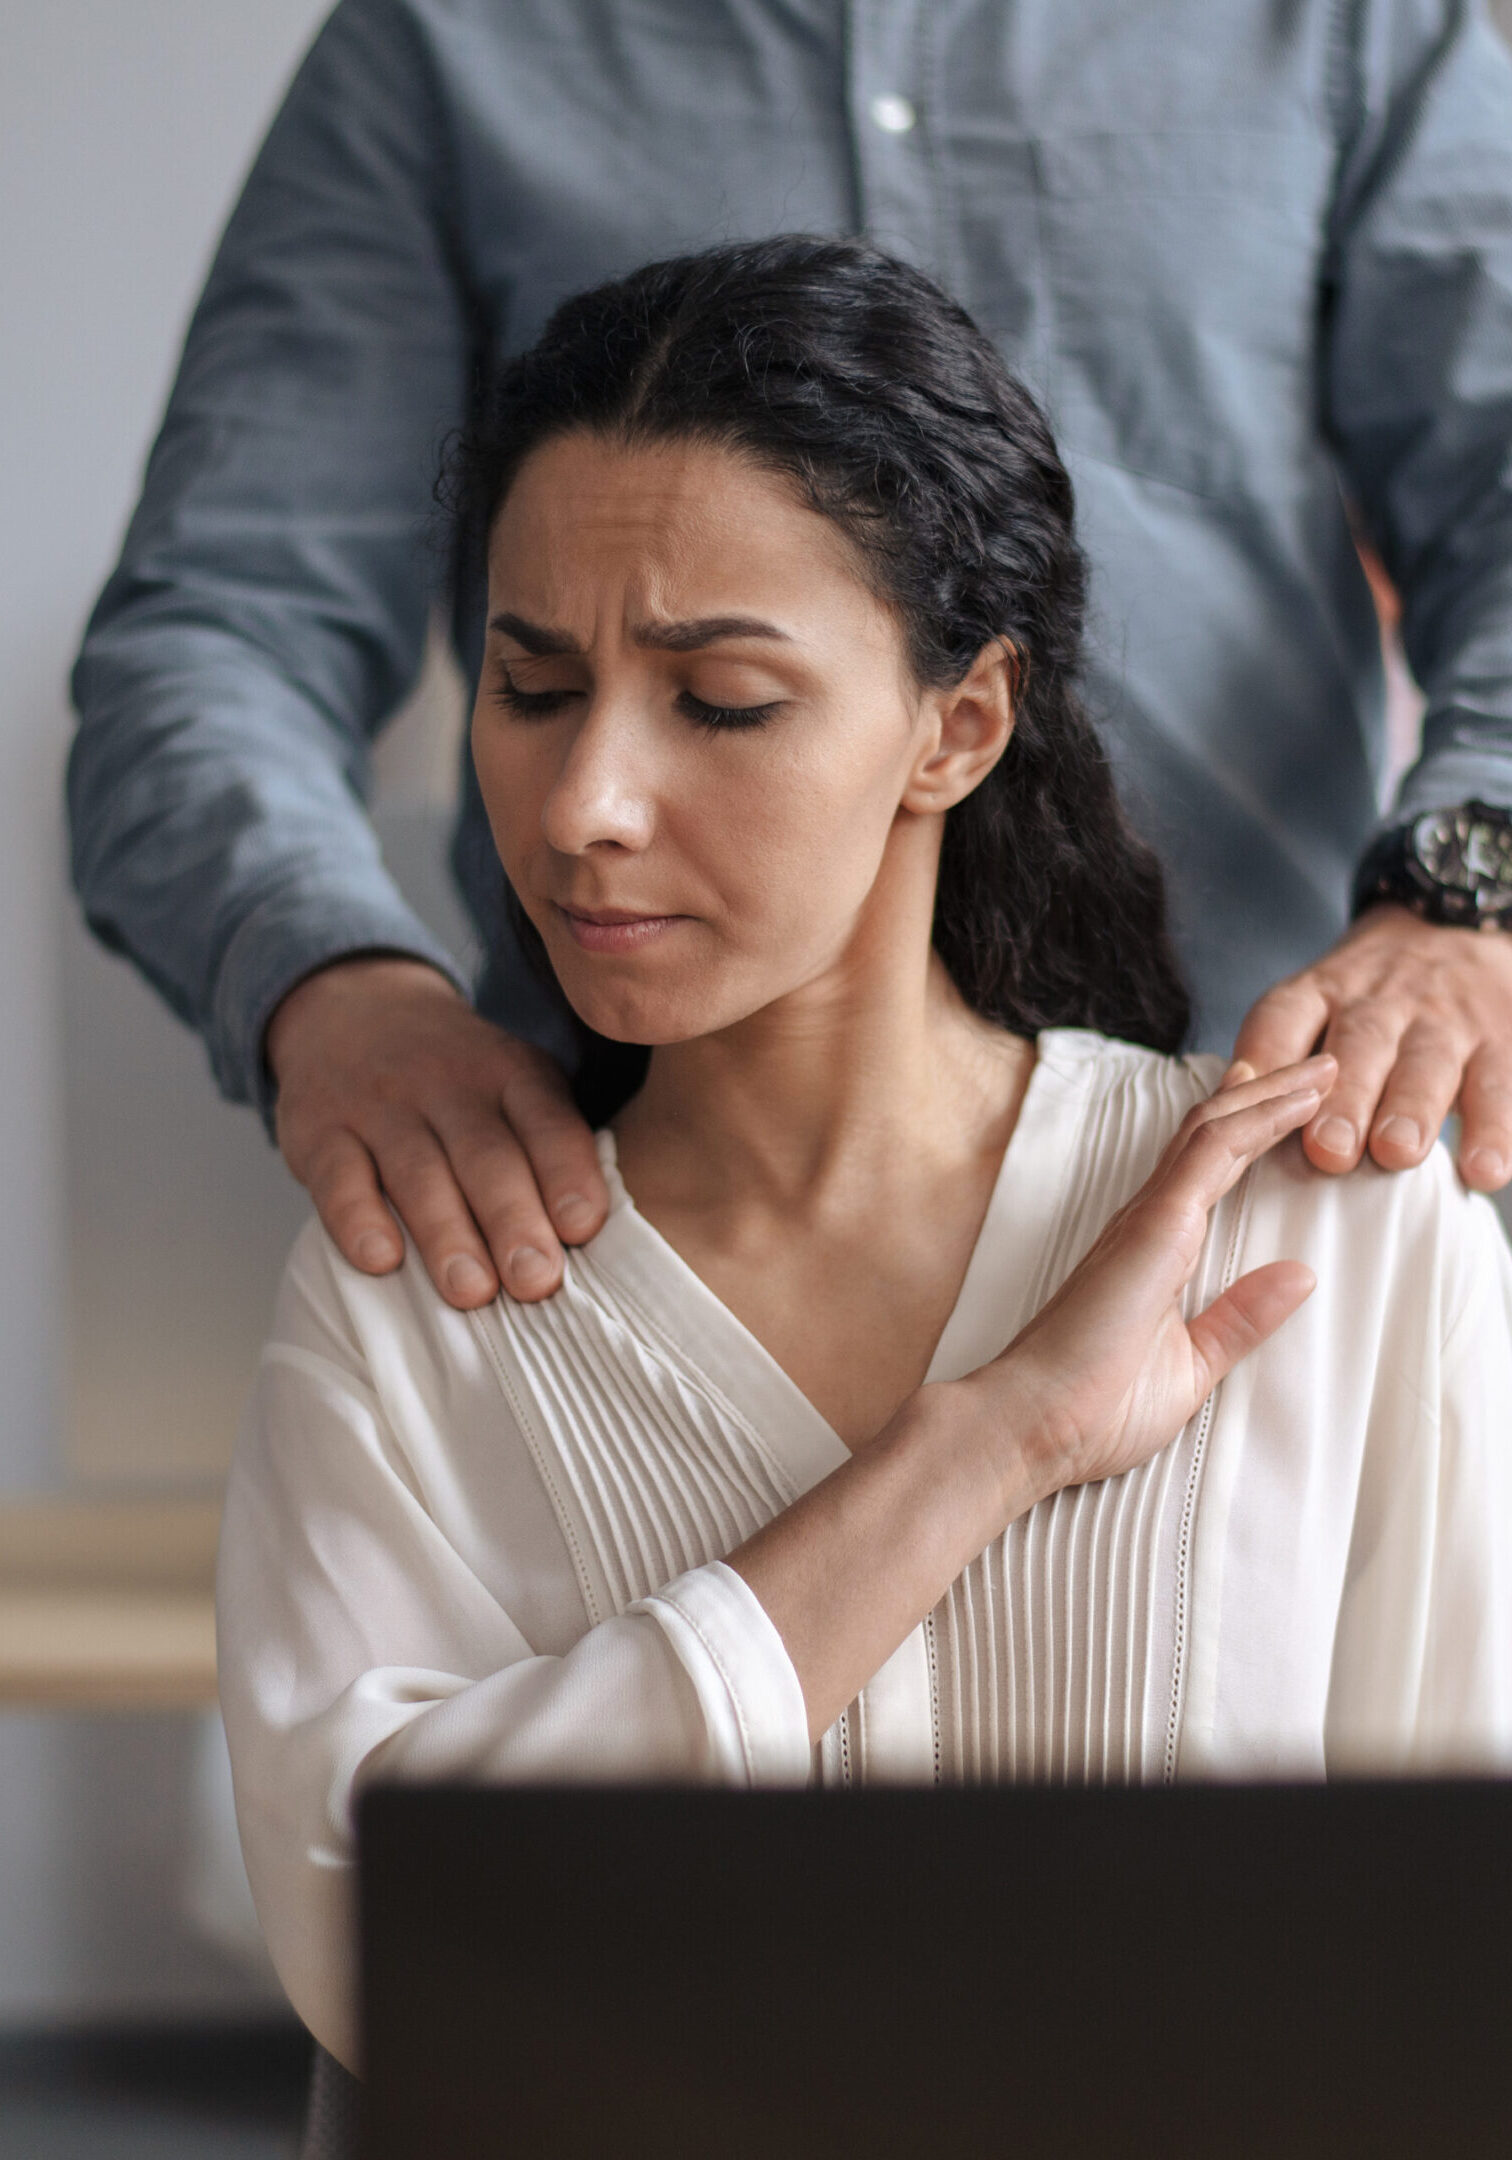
[
  {"x": 285, "y": 938},
  {"x": 752, "y": 1704},
  {"x": 1459, "y": 769}
]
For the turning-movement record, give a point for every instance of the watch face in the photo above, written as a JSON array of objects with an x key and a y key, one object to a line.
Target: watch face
[{"x": 1468, "y": 850}]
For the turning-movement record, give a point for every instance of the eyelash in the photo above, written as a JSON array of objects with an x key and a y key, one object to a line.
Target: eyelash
[
  {"x": 715, "y": 719},
  {"x": 529, "y": 704}
]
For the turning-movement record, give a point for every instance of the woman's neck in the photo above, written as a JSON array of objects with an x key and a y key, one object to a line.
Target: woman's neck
[
  {"x": 826, "y": 1164},
  {"x": 866, "y": 1074}
]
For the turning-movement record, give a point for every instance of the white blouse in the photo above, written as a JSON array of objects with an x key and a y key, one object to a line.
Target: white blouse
[{"x": 488, "y": 1545}]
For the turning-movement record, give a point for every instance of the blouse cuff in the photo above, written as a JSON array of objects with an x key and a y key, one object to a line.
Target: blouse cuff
[{"x": 753, "y": 1706}]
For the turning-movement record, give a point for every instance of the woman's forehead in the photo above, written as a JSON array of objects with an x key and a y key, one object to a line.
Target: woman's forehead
[{"x": 669, "y": 534}]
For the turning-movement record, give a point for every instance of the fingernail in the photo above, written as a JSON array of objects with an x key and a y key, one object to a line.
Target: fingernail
[
  {"x": 573, "y": 1212},
  {"x": 529, "y": 1268},
  {"x": 466, "y": 1277},
  {"x": 1402, "y": 1132},
  {"x": 1336, "y": 1136},
  {"x": 1238, "y": 1073},
  {"x": 374, "y": 1251},
  {"x": 1483, "y": 1166}
]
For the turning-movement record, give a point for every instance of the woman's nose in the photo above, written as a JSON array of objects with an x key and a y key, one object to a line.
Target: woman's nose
[{"x": 601, "y": 796}]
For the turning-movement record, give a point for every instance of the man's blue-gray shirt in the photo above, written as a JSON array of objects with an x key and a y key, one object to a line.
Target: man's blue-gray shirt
[{"x": 1247, "y": 251}]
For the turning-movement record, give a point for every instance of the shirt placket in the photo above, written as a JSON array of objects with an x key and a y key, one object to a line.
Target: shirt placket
[{"x": 890, "y": 94}]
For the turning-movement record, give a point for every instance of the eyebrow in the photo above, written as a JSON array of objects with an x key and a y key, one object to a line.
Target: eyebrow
[{"x": 664, "y": 637}]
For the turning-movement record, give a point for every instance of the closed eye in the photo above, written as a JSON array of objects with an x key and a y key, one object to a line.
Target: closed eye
[
  {"x": 541, "y": 704},
  {"x": 716, "y": 717},
  {"x": 530, "y": 704}
]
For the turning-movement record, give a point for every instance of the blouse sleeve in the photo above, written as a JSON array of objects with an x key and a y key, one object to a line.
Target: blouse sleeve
[
  {"x": 1422, "y": 1669},
  {"x": 357, "y": 1642}
]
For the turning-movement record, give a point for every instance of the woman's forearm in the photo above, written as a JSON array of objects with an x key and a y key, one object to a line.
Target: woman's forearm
[{"x": 848, "y": 1572}]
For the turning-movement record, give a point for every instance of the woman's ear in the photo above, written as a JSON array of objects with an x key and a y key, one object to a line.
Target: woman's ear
[{"x": 973, "y": 721}]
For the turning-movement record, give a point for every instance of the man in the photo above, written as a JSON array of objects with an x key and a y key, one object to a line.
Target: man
[{"x": 1246, "y": 254}]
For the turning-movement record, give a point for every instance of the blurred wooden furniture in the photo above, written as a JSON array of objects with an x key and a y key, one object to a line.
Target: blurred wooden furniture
[{"x": 107, "y": 1604}]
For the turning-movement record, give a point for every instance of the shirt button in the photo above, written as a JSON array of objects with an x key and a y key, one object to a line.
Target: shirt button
[{"x": 893, "y": 115}]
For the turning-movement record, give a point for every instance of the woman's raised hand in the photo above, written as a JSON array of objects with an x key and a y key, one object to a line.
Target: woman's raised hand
[
  {"x": 1109, "y": 1371},
  {"x": 1106, "y": 1375}
]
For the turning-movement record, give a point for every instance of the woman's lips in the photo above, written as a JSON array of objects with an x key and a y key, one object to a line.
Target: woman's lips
[{"x": 614, "y": 930}]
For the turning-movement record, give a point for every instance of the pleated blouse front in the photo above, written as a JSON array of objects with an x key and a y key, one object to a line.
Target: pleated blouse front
[
  {"x": 667, "y": 1434},
  {"x": 490, "y": 1545}
]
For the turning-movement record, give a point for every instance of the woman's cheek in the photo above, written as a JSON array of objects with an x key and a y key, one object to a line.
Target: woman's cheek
[
  {"x": 803, "y": 880},
  {"x": 507, "y": 783}
]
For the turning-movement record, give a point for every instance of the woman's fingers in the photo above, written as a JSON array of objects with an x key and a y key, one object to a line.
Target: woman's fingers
[
  {"x": 1107, "y": 1372},
  {"x": 1127, "y": 1282},
  {"x": 1245, "y": 1315},
  {"x": 1149, "y": 1252},
  {"x": 1218, "y": 1140}
]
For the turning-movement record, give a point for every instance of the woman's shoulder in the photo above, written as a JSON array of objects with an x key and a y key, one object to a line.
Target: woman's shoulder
[
  {"x": 1106, "y": 1064},
  {"x": 1408, "y": 1224},
  {"x": 392, "y": 1335},
  {"x": 1418, "y": 1230},
  {"x": 1113, "y": 1105},
  {"x": 397, "y": 1336}
]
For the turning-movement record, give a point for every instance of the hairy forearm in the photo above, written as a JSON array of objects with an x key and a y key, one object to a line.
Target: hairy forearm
[{"x": 850, "y": 1570}]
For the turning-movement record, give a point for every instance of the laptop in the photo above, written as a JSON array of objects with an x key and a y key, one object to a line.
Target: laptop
[{"x": 1276, "y": 1971}]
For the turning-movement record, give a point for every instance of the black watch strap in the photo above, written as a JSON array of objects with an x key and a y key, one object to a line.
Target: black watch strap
[{"x": 1449, "y": 866}]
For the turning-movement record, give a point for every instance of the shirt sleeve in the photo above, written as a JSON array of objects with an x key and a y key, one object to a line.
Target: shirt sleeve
[
  {"x": 1421, "y": 1678},
  {"x": 1417, "y": 385},
  {"x": 357, "y": 1641},
  {"x": 270, "y": 605}
]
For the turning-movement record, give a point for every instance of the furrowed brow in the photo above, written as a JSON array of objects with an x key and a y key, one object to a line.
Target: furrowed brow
[
  {"x": 535, "y": 637},
  {"x": 707, "y": 630}
]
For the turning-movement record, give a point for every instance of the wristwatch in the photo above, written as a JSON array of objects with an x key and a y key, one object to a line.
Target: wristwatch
[{"x": 1449, "y": 866}]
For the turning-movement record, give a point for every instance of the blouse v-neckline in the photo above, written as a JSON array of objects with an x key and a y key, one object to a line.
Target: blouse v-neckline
[{"x": 991, "y": 1306}]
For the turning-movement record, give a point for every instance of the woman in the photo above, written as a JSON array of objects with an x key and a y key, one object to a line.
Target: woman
[{"x": 876, "y": 1434}]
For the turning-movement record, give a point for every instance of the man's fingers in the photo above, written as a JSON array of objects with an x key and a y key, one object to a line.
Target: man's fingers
[
  {"x": 499, "y": 1186},
  {"x": 559, "y": 1146},
  {"x": 1485, "y": 1153},
  {"x": 1419, "y": 1094},
  {"x": 390, "y": 1079},
  {"x": 1281, "y": 1027},
  {"x": 343, "y": 1183},
  {"x": 418, "y": 1179},
  {"x": 1247, "y": 1313},
  {"x": 1365, "y": 1039}
]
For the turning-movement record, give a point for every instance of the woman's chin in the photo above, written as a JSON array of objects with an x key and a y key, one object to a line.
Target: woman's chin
[
  {"x": 653, "y": 998},
  {"x": 639, "y": 1017}
]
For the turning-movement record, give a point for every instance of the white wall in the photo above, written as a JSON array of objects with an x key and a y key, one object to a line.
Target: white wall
[
  {"x": 143, "y": 1221},
  {"x": 125, "y": 126},
  {"x": 140, "y": 1212}
]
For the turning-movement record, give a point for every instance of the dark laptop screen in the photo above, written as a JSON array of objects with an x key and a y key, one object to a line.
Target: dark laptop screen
[{"x": 1222, "y": 1972}]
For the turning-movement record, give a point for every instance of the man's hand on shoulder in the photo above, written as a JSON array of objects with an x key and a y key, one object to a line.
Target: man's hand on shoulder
[
  {"x": 390, "y": 1084},
  {"x": 1419, "y": 1017}
]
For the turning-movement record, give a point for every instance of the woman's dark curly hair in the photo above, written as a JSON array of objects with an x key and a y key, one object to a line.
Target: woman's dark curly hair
[{"x": 852, "y": 376}]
